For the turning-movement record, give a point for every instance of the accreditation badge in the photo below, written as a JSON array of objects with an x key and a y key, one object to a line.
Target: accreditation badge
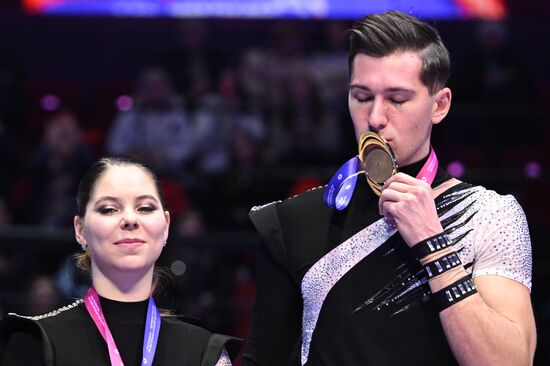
[{"x": 377, "y": 159}]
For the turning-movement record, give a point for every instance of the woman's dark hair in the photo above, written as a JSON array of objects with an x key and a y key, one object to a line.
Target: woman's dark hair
[
  {"x": 380, "y": 35},
  {"x": 85, "y": 191},
  {"x": 96, "y": 171}
]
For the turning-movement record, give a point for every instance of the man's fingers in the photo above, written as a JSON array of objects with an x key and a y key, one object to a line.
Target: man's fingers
[
  {"x": 398, "y": 186},
  {"x": 403, "y": 178},
  {"x": 390, "y": 196}
]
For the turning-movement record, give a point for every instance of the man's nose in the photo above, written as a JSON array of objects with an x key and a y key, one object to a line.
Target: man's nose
[{"x": 377, "y": 118}]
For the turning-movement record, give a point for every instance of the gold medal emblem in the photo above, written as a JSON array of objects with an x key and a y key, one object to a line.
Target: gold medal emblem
[{"x": 377, "y": 159}]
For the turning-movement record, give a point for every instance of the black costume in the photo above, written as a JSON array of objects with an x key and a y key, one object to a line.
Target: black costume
[
  {"x": 68, "y": 336},
  {"x": 342, "y": 288}
]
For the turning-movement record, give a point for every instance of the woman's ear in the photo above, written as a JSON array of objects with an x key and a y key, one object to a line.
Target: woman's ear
[
  {"x": 167, "y": 230},
  {"x": 442, "y": 105},
  {"x": 79, "y": 230}
]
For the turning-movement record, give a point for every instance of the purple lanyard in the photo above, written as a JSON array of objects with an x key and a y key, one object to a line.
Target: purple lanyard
[
  {"x": 152, "y": 329},
  {"x": 342, "y": 184}
]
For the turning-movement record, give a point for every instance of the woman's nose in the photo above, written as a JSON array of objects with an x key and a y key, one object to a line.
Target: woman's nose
[{"x": 129, "y": 220}]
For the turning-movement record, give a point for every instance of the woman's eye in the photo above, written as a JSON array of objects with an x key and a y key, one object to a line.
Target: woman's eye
[
  {"x": 106, "y": 210},
  {"x": 147, "y": 209}
]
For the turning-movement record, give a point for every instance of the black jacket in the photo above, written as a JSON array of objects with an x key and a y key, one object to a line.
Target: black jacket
[{"x": 68, "y": 336}]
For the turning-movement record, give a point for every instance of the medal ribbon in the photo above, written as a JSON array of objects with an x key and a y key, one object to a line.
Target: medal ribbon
[
  {"x": 152, "y": 329},
  {"x": 427, "y": 173},
  {"x": 340, "y": 188}
]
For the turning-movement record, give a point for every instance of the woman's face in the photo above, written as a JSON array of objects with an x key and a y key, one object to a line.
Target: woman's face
[{"x": 125, "y": 226}]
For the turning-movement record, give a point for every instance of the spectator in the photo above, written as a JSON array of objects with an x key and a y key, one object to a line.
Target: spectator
[
  {"x": 60, "y": 160},
  {"x": 156, "y": 129}
]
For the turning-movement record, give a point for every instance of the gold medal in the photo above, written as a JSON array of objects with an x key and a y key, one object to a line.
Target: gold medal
[{"x": 377, "y": 159}]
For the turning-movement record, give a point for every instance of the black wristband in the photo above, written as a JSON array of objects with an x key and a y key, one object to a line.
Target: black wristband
[
  {"x": 431, "y": 245},
  {"x": 442, "y": 265},
  {"x": 454, "y": 293}
]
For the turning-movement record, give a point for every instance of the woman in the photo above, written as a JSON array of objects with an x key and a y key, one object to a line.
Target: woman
[{"x": 122, "y": 227}]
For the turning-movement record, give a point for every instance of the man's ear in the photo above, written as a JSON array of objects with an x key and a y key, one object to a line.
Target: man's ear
[
  {"x": 78, "y": 230},
  {"x": 442, "y": 104}
]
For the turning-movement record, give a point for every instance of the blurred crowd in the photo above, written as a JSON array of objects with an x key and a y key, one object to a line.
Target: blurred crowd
[
  {"x": 262, "y": 123},
  {"x": 206, "y": 129}
]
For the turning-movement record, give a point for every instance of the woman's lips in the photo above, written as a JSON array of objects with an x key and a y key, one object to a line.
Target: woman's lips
[{"x": 130, "y": 241}]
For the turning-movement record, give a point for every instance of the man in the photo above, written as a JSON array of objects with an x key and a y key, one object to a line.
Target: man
[{"x": 425, "y": 274}]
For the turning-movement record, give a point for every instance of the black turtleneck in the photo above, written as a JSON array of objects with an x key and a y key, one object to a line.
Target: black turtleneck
[{"x": 126, "y": 320}]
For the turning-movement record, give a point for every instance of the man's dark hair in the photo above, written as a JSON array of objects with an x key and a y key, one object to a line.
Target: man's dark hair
[{"x": 380, "y": 35}]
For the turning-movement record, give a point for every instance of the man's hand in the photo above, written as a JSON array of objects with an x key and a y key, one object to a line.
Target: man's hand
[{"x": 410, "y": 203}]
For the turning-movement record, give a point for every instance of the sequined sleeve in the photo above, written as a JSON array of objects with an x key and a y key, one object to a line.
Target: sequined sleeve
[
  {"x": 503, "y": 245},
  {"x": 224, "y": 359}
]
